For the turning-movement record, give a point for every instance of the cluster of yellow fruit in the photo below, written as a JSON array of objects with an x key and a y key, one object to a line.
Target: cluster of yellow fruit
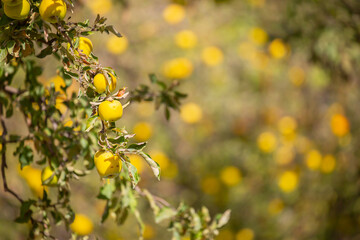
[{"x": 50, "y": 10}]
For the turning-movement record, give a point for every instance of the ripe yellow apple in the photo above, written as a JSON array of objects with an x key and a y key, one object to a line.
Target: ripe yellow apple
[
  {"x": 85, "y": 46},
  {"x": 46, "y": 174},
  {"x": 11, "y": 2},
  {"x": 82, "y": 225},
  {"x": 52, "y": 10},
  {"x": 100, "y": 83},
  {"x": 19, "y": 12},
  {"x": 107, "y": 164},
  {"x": 110, "y": 110}
]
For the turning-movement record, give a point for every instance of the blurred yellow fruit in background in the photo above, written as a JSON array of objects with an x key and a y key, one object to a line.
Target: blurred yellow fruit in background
[
  {"x": 284, "y": 155},
  {"x": 191, "y": 113},
  {"x": 230, "y": 175},
  {"x": 59, "y": 83},
  {"x": 82, "y": 225},
  {"x": 19, "y": 11},
  {"x": 278, "y": 49},
  {"x": 137, "y": 161},
  {"x": 287, "y": 125},
  {"x": 174, "y": 13},
  {"x": 339, "y": 125},
  {"x": 99, "y": 6},
  {"x": 110, "y": 110},
  {"x": 210, "y": 185},
  {"x": 143, "y": 131},
  {"x": 212, "y": 56},
  {"x": 107, "y": 164},
  {"x": 328, "y": 164},
  {"x": 33, "y": 178},
  {"x": 288, "y": 181},
  {"x": 313, "y": 159},
  {"x": 275, "y": 206},
  {"x": 297, "y": 76},
  {"x": 186, "y": 39},
  {"x": 100, "y": 83},
  {"x": 245, "y": 234},
  {"x": 161, "y": 159},
  {"x": 178, "y": 68},
  {"x": 116, "y": 45},
  {"x": 149, "y": 232},
  {"x": 257, "y": 3},
  {"x": 267, "y": 142},
  {"x": 52, "y": 10},
  {"x": 258, "y": 36},
  {"x": 46, "y": 173}
]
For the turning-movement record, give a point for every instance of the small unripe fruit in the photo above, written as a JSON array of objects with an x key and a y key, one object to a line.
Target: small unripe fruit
[
  {"x": 52, "y": 10},
  {"x": 107, "y": 164},
  {"x": 18, "y": 12},
  {"x": 110, "y": 110},
  {"x": 100, "y": 83}
]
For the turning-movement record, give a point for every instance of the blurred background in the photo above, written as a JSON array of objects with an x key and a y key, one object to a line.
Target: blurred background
[{"x": 270, "y": 127}]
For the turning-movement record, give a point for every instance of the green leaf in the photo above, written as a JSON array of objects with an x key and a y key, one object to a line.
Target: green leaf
[
  {"x": 45, "y": 52},
  {"x": 133, "y": 173},
  {"x": 10, "y": 46},
  {"x": 165, "y": 213},
  {"x": 25, "y": 212},
  {"x": 113, "y": 30},
  {"x": 26, "y": 156},
  {"x": 3, "y": 54},
  {"x": 223, "y": 219},
  {"x": 106, "y": 191},
  {"x": 90, "y": 122},
  {"x": 105, "y": 213},
  {"x": 137, "y": 146},
  {"x": 154, "y": 165}
]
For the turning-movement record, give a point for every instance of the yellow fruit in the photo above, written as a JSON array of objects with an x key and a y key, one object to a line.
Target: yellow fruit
[
  {"x": 85, "y": 46},
  {"x": 191, "y": 113},
  {"x": 230, "y": 176},
  {"x": 174, "y": 13},
  {"x": 287, "y": 125},
  {"x": 110, "y": 110},
  {"x": 52, "y": 10},
  {"x": 161, "y": 159},
  {"x": 59, "y": 83},
  {"x": 186, "y": 39},
  {"x": 278, "y": 49},
  {"x": 267, "y": 142},
  {"x": 33, "y": 178},
  {"x": 339, "y": 125},
  {"x": 178, "y": 68},
  {"x": 101, "y": 7},
  {"x": 210, "y": 185},
  {"x": 46, "y": 173},
  {"x": 82, "y": 225},
  {"x": 116, "y": 45},
  {"x": 328, "y": 164},
  {"x": 212, "y": 56},
  {"x": 100, "y": 83},
  {"x": 149, "y": 232},
  {"x": 19, "y": 12},
  {"x": 143, "y": 131},
  {"x": 11, "y": 2},
  {"x": 138, "y": 162},
  {"x": 258, "y": 36},
  {"x": 275, "y": 206},
  {"x": 107, "y": 164},
  {"x": 245, "y": 234},
  {"x": 288, "y": 181},
  {"x": 313, "y": 159}
]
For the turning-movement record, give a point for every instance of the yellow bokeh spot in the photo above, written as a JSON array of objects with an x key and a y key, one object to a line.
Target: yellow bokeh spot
[
  {"x": 82, "y": 225},
  {"x": 313, "y": 159},
  {"x": 257, "y": 3},
  {"x": 230, "y": 175},
  {"x": 138, "y": 162},
  {"x": 99, "y": 6},
  {"x": 186, "y": 39},
  {"x": 339, "y": 125},
  {"x": 278, "y": 49},
  {"x": 210, "y": 185},
  {"x": 267, "y": 142},
  {"x": 275, "y": 206},
  {"x": 288, "y": 181},
  {"x": 160, "y": 158},
  {"x": 258, "y": 36},
  {"x": 212, "y": 56},
  {"x": 287, "y": 125},
  {"x": 58, "y": 82},
  {"x": 174, "y": 13},
  {"x": 225, "y": 235},
  {"x": 149, "y": 232},
  {"x": 145, "y": 109},
  {"x": 116, "y": 45},
  {"x": 284, "y": 155},
  {"x": 59, "y": 105},
  {"x": 143, "y": 131},
  {"x": 171, "y": 171},
  {"x": 297, "y": 76},
  {"x": 32, "y": 177},
  {"x": 191, "y": 113},
  {"x": 178, "y": 68},
  {"x": 245, "y": 234},
  {"x": 328, "y": 164}
]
